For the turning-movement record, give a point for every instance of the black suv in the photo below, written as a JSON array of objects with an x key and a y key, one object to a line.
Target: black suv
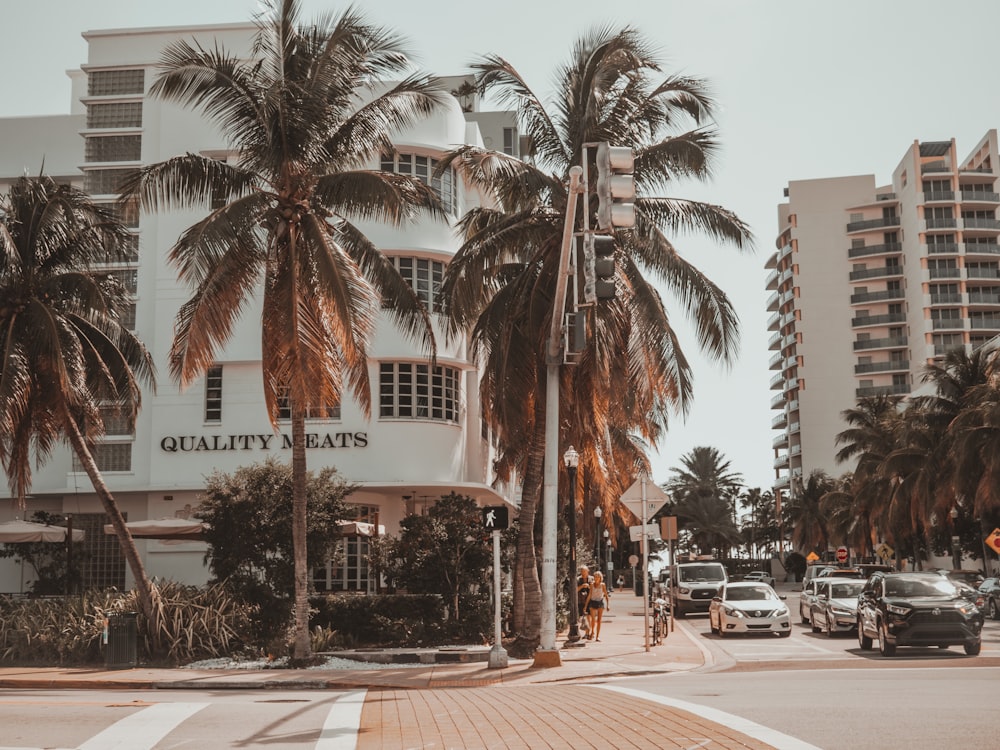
[{"x": 916, "y": 609}]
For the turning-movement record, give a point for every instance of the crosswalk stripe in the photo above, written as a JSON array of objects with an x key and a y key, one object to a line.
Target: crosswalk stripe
[
  {"x": 340, "y": 730},
  {"x": 143, "y": 729}
]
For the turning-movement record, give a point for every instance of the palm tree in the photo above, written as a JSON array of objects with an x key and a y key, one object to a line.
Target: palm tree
[
  {"x": 809, "y": 523},
  {"x": 307, "y": 116},
  {"x": 501, "y": 284},
  {"x": 66, "y": 359}
]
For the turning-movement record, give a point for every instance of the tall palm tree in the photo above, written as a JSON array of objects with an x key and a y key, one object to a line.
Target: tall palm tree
[
  {"x": 501, "y": 284},
  {"x": 66, "y": 359},
  {"x": 809, "y": 523},
  {"x": 308, "y": 115}
]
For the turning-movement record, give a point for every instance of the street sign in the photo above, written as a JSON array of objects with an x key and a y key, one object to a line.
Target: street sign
[
  {"x": 656, "y": 498},
  {"x": 668, "y": 527},
  {"x": 885, "y": 552},
  {"x": 994, "y": 540},
  {"x": 633, "y": 560},
  {"x": 495, "y": 517},
  {"x": 812, "y": 557},
  {"x": 635, "y": 532},
  {"x": 842, "y": 554}
]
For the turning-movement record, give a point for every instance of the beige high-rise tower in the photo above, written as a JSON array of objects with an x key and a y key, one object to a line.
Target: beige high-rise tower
[{"x": 870, "y": 283}]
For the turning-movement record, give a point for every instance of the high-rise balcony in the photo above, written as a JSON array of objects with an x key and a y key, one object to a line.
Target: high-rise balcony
[
  {"x": 984, "y": 298},
  {"x": 780, "y": 442},
  {"x": 777, "y": 381},
  {"x": 944, "y": 273},
  {"x": 774, "y": 363},
  {"x": 781, "y": 462},
  {"x": 863, "y": 297},
  {"x": 981, "y": 248},
  {"x": 976, "y": 223},
  {"x": 780, "y": 422},
  {"x": 774, "y": 342},
  {"x": 876, "y": 273},
  {"x": 941, "y": 222},
  {"x": 943, "y": 248},
  {"x": 888, "y": 248},
  {"x": 948, "y": 324},
  {"x": 869, "y": 224},
  {"x": 865, "y": 321},
  {"x": 892, "y": 365},
  {"x": 979, "y": 196},
  {"x": 939, "y": 195},
  {"x": 986, "y": 322},
  {"x": 771, "y": 282},
  {"x": 778, "y": 401},
  {"x": 946, "y": 298},
  {"x": 772, "y": 301},
  {"x": 896, "y": 389},
  {"x": 772, "y": 322},
  {"x": 982, "y": 273},
  {"x": 892, "y": 342}
]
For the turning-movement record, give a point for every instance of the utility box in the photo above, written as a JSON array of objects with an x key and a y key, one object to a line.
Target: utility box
[{"x": 122, "y": 640}]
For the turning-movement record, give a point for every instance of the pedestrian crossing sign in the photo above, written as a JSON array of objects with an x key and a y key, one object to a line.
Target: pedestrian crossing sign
[
  {"x": 495, "y": 518},
  {"x": 994, "y": 540}
]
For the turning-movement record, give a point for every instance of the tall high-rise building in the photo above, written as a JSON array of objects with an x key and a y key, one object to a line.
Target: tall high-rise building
[
  {"x": 871, "y": 283},
  {"x": 425, "y": 437}
]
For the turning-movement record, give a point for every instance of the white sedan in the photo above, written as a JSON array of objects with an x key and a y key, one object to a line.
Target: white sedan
[{"x": 747, "y": 607}]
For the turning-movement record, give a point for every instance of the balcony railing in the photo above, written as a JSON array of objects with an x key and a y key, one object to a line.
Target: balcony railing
[
  {"x": 890, "y": 366},
  {"x": 898, "y": 389},
  {"x": 980, "y": 196},
  {"x": 984, "y": 298},
  {"x": 876, "y": 296},
  {"x": 935, "y": 166},
  {"x": 888, "y": 247},
  {"x": 878, "y": 320},
  {"x": 941, "y": 223},
  {"x": 885, "y": 221},
  {"x": 983, "y": 273},
  {"x": 891, "y": 341},
  {"x": 876, "y": 273},
  {"x": 944, "y": 273},
  {"x": 946, "y": 324},
  {"x": 777, "y": 381},
  {"x": 981, "y": 224},
  {"x": 939, "y": 195},
  {"x": 988, "y": 323},
  {"x": 943, "y": 248},
  {"x": 982, "y": 248},
  {"x": 949, "y": 298}
]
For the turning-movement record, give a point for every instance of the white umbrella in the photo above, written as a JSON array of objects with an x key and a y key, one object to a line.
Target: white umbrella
[
  {"x": 180, "y": 529},
  {"x": 15, "y": 532}
]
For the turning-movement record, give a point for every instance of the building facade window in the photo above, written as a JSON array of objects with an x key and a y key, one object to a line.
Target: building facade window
[
  {"x": 102, "y": 563},
  {"x": 109, "y": 457},
  {"x": 510, "y": 141},
  {"x": 106, "y": 181},
  {"x": 213, "y": 394},
  {"x": 114, "y": 115},
  {"x": 418, "y": 391},
  {"x": 312, "y": 413},
  {"x": 424, "y": 169},
  {"x": 115, "y": 82},
  {"x": 424, "y": 277},
  {"x": 113, "y": 148}
]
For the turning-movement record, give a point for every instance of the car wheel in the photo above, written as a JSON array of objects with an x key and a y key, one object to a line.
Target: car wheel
[
  {"x": 994, "y": 610},
  {"x": 973, "y": 649},
  {"x": 863, "y": 640},
  {"x": 805, "y": 620},
  {"x": 884, "y": 647},
  {"x": 721, "y": 630},
  {"x": 830, "y": 629},
  {"x": 813, "y": 625},
  {"x": 711, "y": 625}
]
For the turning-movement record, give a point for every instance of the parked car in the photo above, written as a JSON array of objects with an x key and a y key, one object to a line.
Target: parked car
[
  {"x": 759, "y": 576},
  {"x": 990, "y": 591},
  {"x": 815, "y": 570},
  {"x": 916, "y": 609},
  {"x": 835, "y": 606},
  {"x": 971, "y": 577},
  {"x": 806, "y": 600},
  {"x": 748, "y": 607},
  {"x": 866, "y": 569}
]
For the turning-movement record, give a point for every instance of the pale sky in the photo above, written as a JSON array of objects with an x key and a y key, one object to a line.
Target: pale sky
[{"x": 805, "y": 90}]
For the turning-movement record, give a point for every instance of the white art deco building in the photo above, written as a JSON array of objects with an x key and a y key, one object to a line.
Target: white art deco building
[
  {"x": 425, "y": 437},
  {"x": 869, "y": 283}
]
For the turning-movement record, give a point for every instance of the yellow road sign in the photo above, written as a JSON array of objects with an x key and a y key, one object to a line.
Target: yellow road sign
[
  {"x": 885, "y": 552},
  {"x": 994, "y": 540}
]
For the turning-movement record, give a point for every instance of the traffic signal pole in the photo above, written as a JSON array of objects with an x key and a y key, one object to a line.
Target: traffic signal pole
[{"x": 547, "y": 654}]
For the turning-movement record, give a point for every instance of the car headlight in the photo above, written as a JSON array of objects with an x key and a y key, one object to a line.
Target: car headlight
[
  {"x": 733, "y": 612},
  {"x": 781, "y": 611},
  {"x": 967, "y": 609},
  {"x": 841, "y": 611},
  {"x": 683, "y": 590},
  {"x": 897, "y": 610}
]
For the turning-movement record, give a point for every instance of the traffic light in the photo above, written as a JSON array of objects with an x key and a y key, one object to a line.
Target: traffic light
[
  {"x": 604, "y": 266},
  {"x": 615, "y": 187}
]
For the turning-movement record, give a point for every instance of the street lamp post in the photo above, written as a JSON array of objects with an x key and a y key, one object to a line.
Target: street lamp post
[
  {"x": 608, "y": 564},
  {"x": 597, "y": 536},
  {"x": 572, "y": 459}
]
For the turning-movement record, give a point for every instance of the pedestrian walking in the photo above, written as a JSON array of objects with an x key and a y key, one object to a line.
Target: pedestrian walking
[
  {"x": 600, "y": 599},
  {"x": 583, "y": 583},
  {"x": 621, "y": 583}
]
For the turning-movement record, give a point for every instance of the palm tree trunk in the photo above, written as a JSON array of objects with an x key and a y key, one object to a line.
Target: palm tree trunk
[
  {"x": 149, "y": 600},
  {"x": 302, "y": 649},
  {"x": 528, "y": 621}
]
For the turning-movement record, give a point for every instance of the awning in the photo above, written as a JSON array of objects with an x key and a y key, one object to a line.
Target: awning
[
  {"x": 181, "y": 529},
  {"x": 16, "y": 532}
]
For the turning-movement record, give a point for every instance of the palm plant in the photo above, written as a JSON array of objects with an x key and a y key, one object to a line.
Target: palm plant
[
  {"x": 307, "y": 115},
  {"x": 66, "y": 358},
  {"x": 501, "y": 284},
  {"x": 809, "y": 523}
]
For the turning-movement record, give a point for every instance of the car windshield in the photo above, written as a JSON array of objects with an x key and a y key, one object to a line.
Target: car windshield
[
  {"x": 919, "y": 587},
  {"x": 847, "y": 590},
  {"x": 748, "y": 593},
  {"x": 701, "y": 573}
]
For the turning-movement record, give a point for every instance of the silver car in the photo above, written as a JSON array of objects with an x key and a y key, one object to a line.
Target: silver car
[
  {"x": 746, "y": 607},
  {"x": 834, "y": 608}
]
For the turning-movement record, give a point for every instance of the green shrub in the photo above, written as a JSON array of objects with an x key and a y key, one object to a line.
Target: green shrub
[{"x": 387, "y": 620}]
